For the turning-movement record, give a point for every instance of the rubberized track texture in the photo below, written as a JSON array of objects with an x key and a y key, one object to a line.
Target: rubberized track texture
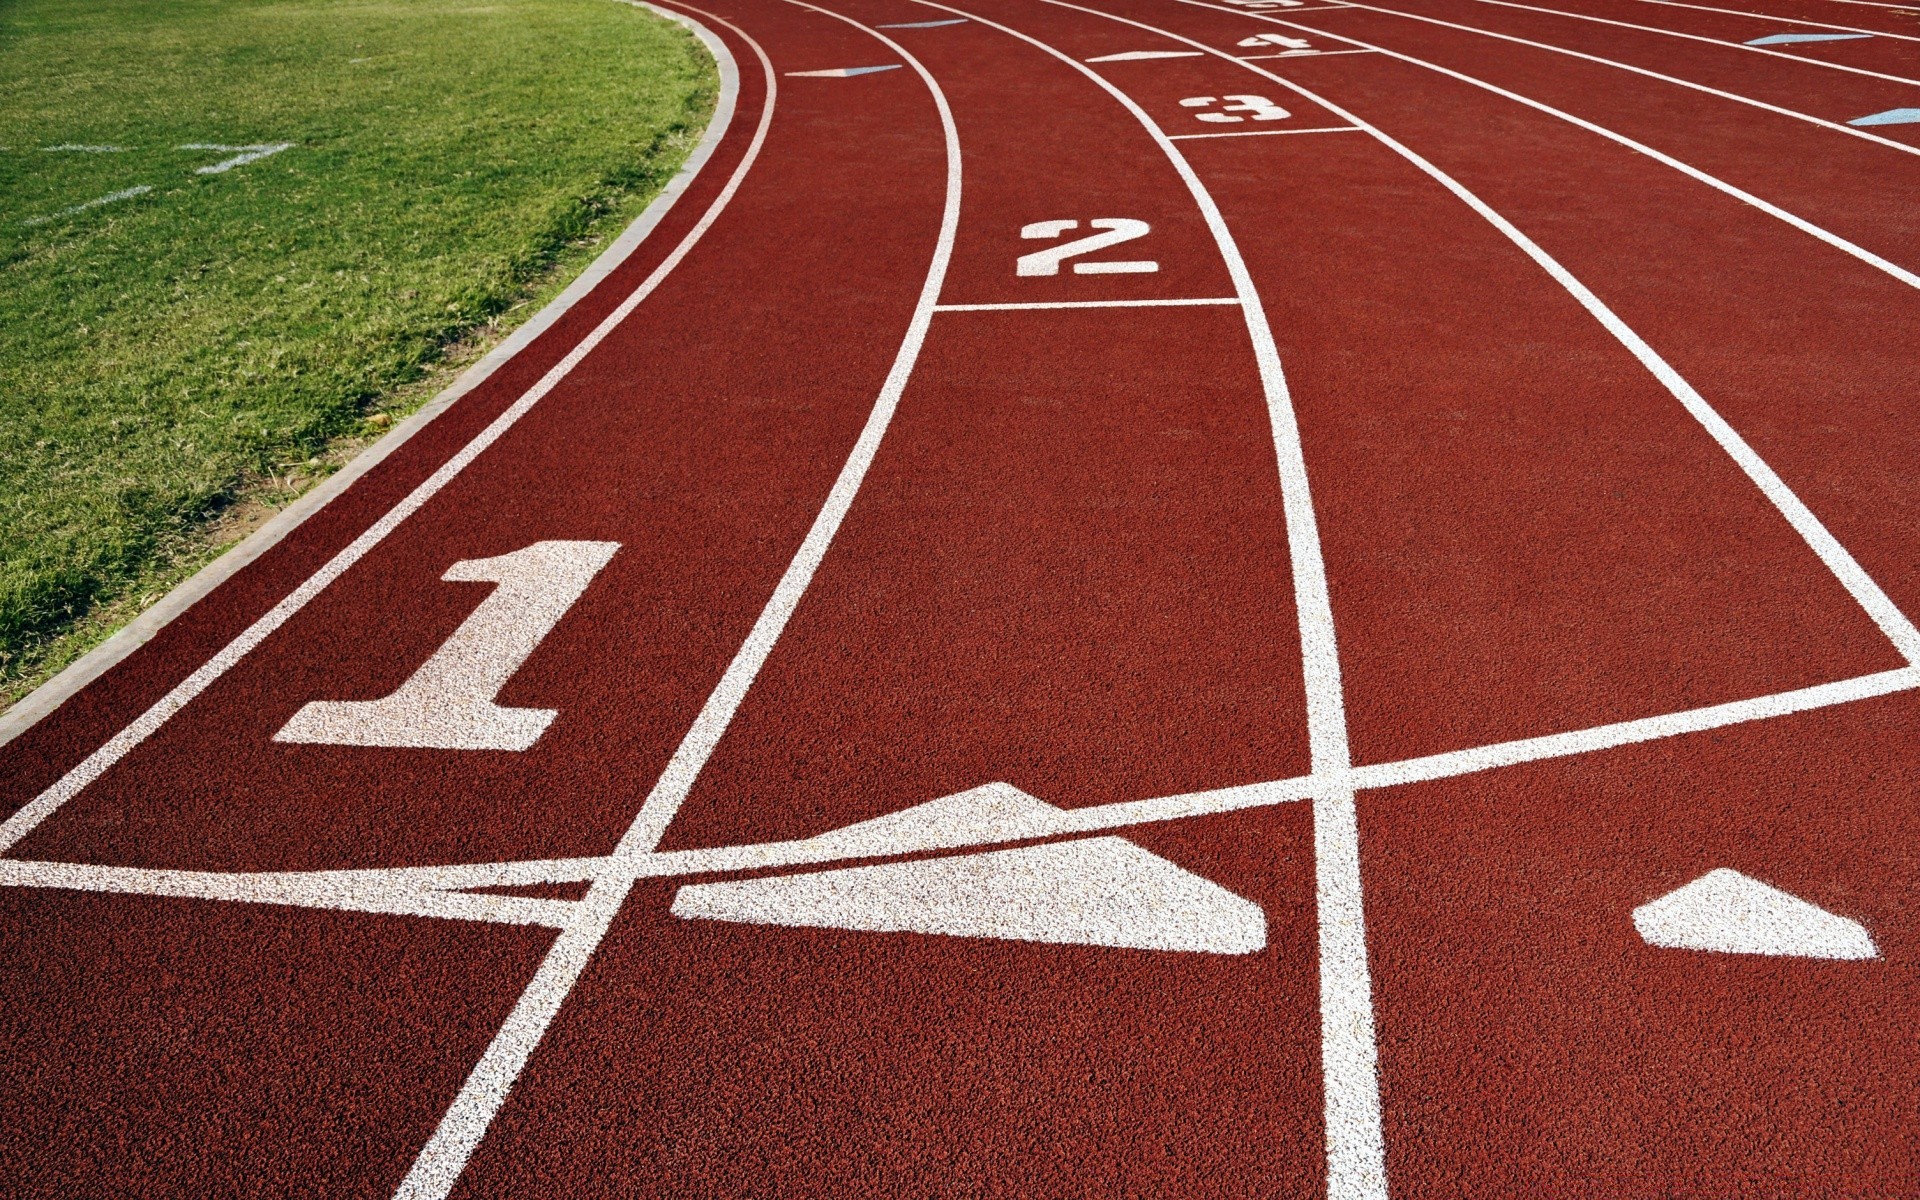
[{"x": 1126, "y": 598}]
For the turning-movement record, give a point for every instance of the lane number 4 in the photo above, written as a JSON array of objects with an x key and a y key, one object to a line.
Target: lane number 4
[
  {"x": 1118, "y": 230},
  {"x": 1257, "y": 108},
  {"x": 448, "y": 703}
]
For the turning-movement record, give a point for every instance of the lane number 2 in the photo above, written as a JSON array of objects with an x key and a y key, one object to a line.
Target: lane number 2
[
  {"x": 1256, "y": 108},
  {"x": 448, "y": 703},
  {"x": 1118, "y": 230}
]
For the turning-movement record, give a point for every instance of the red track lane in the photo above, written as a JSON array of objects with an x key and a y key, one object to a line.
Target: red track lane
[
  {"x": 1890, "y": 56},
  {"x": 1073, "y": 551},
  {"x": 1797, "y": 87},
  {"x": 1840, "y": 183},
  {"x": 1802, "y": 348},
  {"x": 702, "y": 436},
  {"x": 1886, "y": 19},
  {"x": 1648, "y": 574},
  {"x": 1533, "y": 1045}
]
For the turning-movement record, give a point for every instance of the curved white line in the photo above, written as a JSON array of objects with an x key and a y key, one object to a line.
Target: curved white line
[
  {"x": 1805, "y": 226},
  {"x": 30, "y": 709},
  {"x": 1593, "y": 58},
  {"x": 1879, "y": 607},
  {"x": 445, "y": 1155},
  {"x": 1356, "y": 1153},
  {"x": 1711, "y": 41}
]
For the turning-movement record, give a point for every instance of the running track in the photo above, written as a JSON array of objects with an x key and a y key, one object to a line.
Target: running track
[{"x": 876, "y": 699}]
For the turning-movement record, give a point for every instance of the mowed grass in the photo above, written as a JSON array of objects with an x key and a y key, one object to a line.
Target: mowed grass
[{"x": 219, "y": 337}]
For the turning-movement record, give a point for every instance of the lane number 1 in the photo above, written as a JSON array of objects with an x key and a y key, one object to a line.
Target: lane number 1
[
  {"x": 448, "y": 703},
  {"x": 1119, "y": 229}
]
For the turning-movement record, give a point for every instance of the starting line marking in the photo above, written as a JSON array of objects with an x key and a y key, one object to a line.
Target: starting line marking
[
  {"x": 1173, "y": 303},
  {"x": 972, "y": 822}
]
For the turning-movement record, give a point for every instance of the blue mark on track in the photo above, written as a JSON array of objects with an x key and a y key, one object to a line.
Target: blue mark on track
[{"x": 1893, "y": 116}]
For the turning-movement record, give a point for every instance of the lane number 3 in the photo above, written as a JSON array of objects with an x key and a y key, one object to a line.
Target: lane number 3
[
  {"x": 1118, "y": 230},
  {"x": 448, "y": 703},
  {"x": 1256, "y": 108}
]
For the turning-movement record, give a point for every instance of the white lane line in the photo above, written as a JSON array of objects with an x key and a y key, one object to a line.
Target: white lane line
[
  {"x": 1593, "y": 58},
  {"x": 373, "y": 892},
  {"x": 441, "y": 1161},
  {"x": 1026, "y": 304},
  {"x": 1734, "y": 12},
  {"x": 142, "y": 727},
  {"x": 1893, "y": 623},
  {"x": 1695, "y": 37},
  {"x": 1773, "y": 210},
  {"x": 425, "y": 891},
  {"x": 1194, "y": 137},
  {"x": 1356, "y": 1154},
  {"x": 1645, "y": 729},
  {"x": 96, "y": 202}
]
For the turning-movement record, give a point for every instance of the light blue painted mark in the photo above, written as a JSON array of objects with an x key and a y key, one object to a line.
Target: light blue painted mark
[
  {"x": 1782, "y": 39},
  {"x": 1893, "y": 116},
  {"x": 842, "y": 72},
  {"x": 925, "y": 24}
]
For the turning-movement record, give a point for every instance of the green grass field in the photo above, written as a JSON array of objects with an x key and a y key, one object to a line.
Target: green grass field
[{"x": 218, "y": 340}]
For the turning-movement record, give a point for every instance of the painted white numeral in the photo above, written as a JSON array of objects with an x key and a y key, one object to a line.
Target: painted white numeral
[
  {"x": 1119, "y": 229},
  {"x": 1257, "y": 5},
  {"x": 1275, "y": 39},
  {"x": 1258, "y": 108},
  {"x": 448, "y": 704}
]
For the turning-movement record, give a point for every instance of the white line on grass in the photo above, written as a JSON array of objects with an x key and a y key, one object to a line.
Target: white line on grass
[
  {"x": 96, "y": 202},
  {"x": 445, "y": 1156},
  {"x": 247, "y": 154}
]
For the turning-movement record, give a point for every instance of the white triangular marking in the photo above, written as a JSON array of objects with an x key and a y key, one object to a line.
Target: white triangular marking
[
  {"x": 1732, "y": 913},
  {"x": 1275, "y": 39},
  {"x": 1102, "y": 891},
  {"x": 841, "y": 72},
  {"x": 995, "y": 812},
  {"x": 1144, "y": 55}
]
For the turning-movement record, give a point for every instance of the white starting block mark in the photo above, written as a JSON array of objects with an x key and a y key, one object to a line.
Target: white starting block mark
[
  {"x": 1100, "y": 891},
  {"x": 1257, "y": 108},
  {"x": 1730, "y": 913},
  {"x": 1047, "y": 262}
]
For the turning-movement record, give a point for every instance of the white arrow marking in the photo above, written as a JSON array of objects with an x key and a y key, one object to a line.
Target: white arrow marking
[{"x": 1731, "y": 913}]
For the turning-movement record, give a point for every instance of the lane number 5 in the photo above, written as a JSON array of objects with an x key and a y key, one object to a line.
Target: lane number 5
[
  {"x": 448, "y": 703},
  {"x": 1119, "y": 229}
]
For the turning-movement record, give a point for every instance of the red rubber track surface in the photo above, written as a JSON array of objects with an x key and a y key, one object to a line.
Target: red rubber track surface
[{"x": 1081, "y": 558}]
